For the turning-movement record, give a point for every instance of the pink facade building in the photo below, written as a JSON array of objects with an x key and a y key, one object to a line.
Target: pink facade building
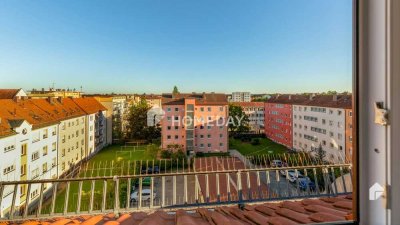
[{"x": 196, "y": 122}]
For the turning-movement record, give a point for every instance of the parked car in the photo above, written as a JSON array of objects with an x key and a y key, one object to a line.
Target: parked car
[
  {"x": 276, "y": 163},
  {"x": 304, "y": 182},
  {"x": 292, "y": 175},
  {"x": 146, "y": 181},
  {"x": 150, "y": 170},
  {"x": 283, "y": 172},
  {"x": 145, "y": 195}
]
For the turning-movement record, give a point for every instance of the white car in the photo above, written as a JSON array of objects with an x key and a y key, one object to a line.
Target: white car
[
  {"x": 276, "y": 163},
  {"x": 292, "y": 175},
  {"x": 145, "y": 195}
]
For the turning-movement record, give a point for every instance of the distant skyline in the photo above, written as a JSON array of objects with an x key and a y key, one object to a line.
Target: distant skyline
[{"x": 148, "y": 46}]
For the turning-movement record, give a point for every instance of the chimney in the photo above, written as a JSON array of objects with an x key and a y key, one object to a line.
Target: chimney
[
  {"x": 312, "y": 96},
  {"x": 335, "y": 98},
  {"x": 50, "y": 100},
  {"x": 60, "y": 100},
  {"x": 290, "y": 97}
]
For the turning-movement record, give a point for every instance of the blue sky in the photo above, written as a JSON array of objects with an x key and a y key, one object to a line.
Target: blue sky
[{"x": 149, "y": 46}]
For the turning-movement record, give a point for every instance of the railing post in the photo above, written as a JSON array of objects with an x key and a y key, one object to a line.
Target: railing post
[
  {"x": 78, "y": 206},
  {"x": 152, "y": 190},
  {"x": 93, "y": 183},
  {"x": 196, "y": 188},
  {"x": 66, "y": 198},
  {"x": 228, "y": 186},
  {"x": 14, "y": 196},
  {"x": 185, "y": 191},
  {"x": 218, "y": 191},
  {"x": 248, "y": 185},
  {"x": 239, "y": 185},
  {"x": 39, "y": 211},
  {"x": 103, "y": 201},
  {"x": 260, "y": 195},
  {"x": 1, "y": 195},
  {"x": 163, "y": 191},
  {"x": 334, "y": 181},
  {"x": 174, "y": 190},
  {"x": 207, "y": 189},
  {"x": 343, "y": 180},
  {"x": 277, "y": 178},
  {"x": 26, "y": 201},
  {"x": 128, "y": 193},
  {"x": 140, "y": 193},
  {"x": 316, "y": 180},
  {"x": 116, "y": 195}
]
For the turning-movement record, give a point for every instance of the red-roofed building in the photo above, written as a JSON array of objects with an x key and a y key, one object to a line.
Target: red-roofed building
[
  {"x": 44, "y": 139},
  {"x": 207, "y": 132},
  {"x": 12, "y": 93}
]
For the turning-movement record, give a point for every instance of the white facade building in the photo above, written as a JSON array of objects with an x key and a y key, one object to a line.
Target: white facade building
[
  {"x": 255, "y": 113},
  {"x": 27, "y": 154},
  {"x": 241, "y": 97},
  {"x": 315, "y": 126}
]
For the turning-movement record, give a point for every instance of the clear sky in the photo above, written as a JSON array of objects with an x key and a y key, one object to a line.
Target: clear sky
[{"x": 137, "y": 46}]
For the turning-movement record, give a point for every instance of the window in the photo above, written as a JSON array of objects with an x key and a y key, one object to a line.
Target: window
[
  {"x": 169, "y": 137},
  {"x": 202, "y": 109},
  {"x": 9, "y": 148},
  {"x": 176, "y": 109},
  {"x": 44, "y": 167},
  {"x": 8, "y": 169},
  {"x": 45, "y": 150},
  {"x": 23, "y": 170},
  {"x": 209, "y": 109},
  {"x": 168, "y": 109},
  {"x": 35, "y": 156}
]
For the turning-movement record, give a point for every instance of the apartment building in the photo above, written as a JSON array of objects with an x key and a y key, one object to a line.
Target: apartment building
[
  {"x": 240, "y": 97},
  {"x": 320, "y": 122},
  {"x": 196, "y": 122},
  {"x": 117, "y": 109},
  {"x": 95, "y": 124},
  {"x": 349, "y": 133},
  {"x": 55, "y": 93},
  {"x": 255, "y": 113},
  {"x": 32, "y": 134},
  {"x": 278, "y": 118}
]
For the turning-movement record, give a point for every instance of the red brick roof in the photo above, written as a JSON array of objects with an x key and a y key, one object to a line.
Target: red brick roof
[
  {"x": 43, "y": 112},
  {"x": 89, "y": 104},
  {"x": 331, "y": 101},
  {"x": 8, "y": 93},
  {"x": 201, "y": 98},
  {"x": 306, "y": 211}
]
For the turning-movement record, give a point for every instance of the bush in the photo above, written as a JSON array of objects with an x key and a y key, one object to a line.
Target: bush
[
  {"x": 166, "y": 154},
  {"x": 255, "y": 141}
]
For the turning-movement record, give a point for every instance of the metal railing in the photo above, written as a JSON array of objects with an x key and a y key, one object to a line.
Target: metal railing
[{"x": 194, "y": 188}]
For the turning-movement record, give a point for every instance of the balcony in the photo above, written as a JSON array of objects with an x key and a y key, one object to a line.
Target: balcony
[{"x": 218, "y": 183}]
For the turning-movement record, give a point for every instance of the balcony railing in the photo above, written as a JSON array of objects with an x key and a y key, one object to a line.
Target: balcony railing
[{"x": 188, "y": 188}]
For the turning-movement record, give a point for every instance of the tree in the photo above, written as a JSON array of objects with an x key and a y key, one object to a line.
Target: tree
[
  {"x": 175, "y": 91},
  {"x": 238, "y": 121},
  {"x": 320, "y": 153},
  {"x": 137, "y": 123}
]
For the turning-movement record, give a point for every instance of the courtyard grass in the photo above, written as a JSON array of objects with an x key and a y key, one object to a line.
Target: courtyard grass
[
  {"x": 266, "y": 146},
  {"x": 112, "y": 160}
]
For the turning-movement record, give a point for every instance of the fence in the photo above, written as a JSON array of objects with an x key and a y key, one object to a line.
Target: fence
[{"x": 126, "y": 193}]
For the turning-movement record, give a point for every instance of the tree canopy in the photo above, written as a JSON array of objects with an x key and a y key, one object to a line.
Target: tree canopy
[
  {"x": 238, "y": 120},
  {"x": 137, "y": 123}
]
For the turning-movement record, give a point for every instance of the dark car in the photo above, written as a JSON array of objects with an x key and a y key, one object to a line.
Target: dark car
[
  {"x": 150, "y": 170},
  {"x": 304, "y": 182}
]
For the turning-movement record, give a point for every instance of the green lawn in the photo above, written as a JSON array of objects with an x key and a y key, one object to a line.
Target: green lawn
[
  {"x": 266, "y": 146},
  {"x": 109, "y": 161}
]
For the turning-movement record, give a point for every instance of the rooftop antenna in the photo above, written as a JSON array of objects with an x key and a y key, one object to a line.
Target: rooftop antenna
[{"x": 81, "y": 88}]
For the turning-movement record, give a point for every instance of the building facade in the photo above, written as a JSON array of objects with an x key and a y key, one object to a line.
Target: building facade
[
  {"x": 241, "y": 97},
  {"x": 196, "y": 122},
  {"x": 349, "y": 134},
  {"x": 255, "y": 113},
  {"x": 55, "y": 93},
  {"x": 33, "y": 134}
]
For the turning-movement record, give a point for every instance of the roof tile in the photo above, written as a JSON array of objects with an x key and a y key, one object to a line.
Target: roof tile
[
  {"x": 293, "y": 215},
  {"x": 325, "y": 217}
]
